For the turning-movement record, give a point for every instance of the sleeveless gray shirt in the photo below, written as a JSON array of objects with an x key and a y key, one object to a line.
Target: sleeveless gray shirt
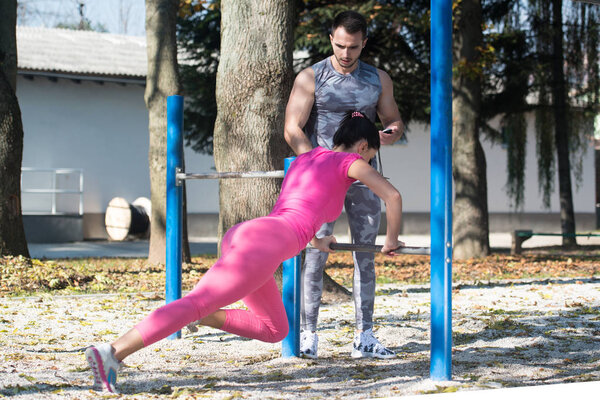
[{"x": 336, "y": 94}]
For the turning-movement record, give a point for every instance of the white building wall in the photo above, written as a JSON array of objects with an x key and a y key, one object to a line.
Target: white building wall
[
  {"x": 498, "y": 201},
  {"x": 408, "y": 167},
  {"x": 102, "y": 129},
  {"x": 99, "y": 128}
]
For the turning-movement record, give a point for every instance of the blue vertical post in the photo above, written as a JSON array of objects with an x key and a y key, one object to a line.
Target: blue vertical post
[
  {"x": 174, "y": 200},
  {"x": 441, "y": 190},
  {"x": 290, "y": 293}
]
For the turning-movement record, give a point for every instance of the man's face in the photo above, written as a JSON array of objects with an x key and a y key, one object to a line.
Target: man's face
[{"x": 347, "y": 47}]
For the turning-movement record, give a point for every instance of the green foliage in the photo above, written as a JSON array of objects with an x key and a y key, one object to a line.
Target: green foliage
[
  {"x": 509, "y": 71},
  {"x": 199, "y": 36},
  {"x": 544, "y": 133},
  {"x": 515, "y": 134},
  {"x": 580, "y": 50},
  {"x": 520, "y": 80}
]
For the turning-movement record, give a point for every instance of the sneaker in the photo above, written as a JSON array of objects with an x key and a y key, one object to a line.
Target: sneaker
[
  {"x": 104, "y": 366},
  {"x": 308, "y": 344},
  {"x": 367, "y": 345}
]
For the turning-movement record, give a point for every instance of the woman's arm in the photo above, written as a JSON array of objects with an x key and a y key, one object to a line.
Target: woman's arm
[
  {"x": 362, "y": 171},
  {"x": 322, "y": 244}
]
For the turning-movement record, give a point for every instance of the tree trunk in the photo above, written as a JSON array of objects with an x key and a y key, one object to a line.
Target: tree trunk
[
  {"x": 470, "y": 217},
  {"x": 12, "y": 234},
  {"x": 162, "y": 81},
  {"x": 561, "y": 126},
  {"x": 254, "y": 80}
]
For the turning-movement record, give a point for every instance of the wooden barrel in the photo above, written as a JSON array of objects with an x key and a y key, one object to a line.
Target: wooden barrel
[{"x": 124, "y": 220}]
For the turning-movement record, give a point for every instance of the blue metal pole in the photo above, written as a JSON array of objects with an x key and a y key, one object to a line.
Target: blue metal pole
[
  {"x": 174, "y": 200},
  {"x": 290, "y": 346},
  {"x": 441, "y": 190}
]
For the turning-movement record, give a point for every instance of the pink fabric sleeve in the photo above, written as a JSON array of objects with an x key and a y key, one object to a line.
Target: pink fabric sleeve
[{"x": 346, "y": 162}]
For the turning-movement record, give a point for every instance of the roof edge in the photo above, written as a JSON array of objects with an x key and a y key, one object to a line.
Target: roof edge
[{"x": 84, "y": 77}]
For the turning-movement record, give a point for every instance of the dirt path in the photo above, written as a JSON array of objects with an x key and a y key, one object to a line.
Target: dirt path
[{"x": 505, "y": 334}]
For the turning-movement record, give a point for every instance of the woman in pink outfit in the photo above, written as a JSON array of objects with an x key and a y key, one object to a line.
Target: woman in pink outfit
[{"x": 312, "y": 193}]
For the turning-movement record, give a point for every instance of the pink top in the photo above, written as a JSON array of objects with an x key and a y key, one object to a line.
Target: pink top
[{"x": 313, "y": 191}]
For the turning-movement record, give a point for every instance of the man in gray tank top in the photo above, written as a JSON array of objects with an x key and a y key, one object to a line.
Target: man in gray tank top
[{"x": 321, "y": 95}]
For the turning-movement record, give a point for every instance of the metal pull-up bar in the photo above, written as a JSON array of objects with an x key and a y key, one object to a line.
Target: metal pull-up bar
[
  {"x": 374, "y": 248},
  {"x": 441, "y": 190},
  {"x": 229, "y": 175},
  {"x": 441, "y": 206}
]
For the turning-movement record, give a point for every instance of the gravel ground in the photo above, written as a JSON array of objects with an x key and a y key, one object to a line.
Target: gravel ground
[{"x": 506, "y": 334}]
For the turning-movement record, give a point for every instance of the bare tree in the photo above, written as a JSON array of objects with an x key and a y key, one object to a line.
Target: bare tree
[
  {"x": 470, "y": 217},
  {"x": 561, "y": 128},
  {"x": 12, "y": 234},
  {"x": 254, "y": 79},
  {"x": 162, "y": 81}
]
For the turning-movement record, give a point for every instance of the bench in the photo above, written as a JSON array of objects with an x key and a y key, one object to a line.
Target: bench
[{"x": 521, "y": 235}]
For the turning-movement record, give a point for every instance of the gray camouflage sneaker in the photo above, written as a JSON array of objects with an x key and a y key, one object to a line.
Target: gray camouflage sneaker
[
  {"x": 308, "y": 344},
  {"x": 367, "y": 345}
]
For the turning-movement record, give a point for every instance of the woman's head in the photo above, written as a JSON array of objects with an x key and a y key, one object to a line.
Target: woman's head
[{"x": 355, "y": 126}]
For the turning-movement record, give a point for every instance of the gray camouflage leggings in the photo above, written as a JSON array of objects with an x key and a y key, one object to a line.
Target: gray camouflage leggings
[{"x": 363, "y": 208}]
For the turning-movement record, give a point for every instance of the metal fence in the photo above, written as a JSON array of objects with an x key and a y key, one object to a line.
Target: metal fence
[{"x": 53, "y": 191}]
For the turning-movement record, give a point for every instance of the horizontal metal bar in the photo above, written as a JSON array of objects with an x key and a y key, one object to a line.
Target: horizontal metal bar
[
  {"x": 229, "y": 175},
  {"x": 372, "y": 248},
  {"x": 530, "y": 234}
]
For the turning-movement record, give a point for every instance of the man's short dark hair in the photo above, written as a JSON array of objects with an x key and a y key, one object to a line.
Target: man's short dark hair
[{"x": 351, "y": 21}]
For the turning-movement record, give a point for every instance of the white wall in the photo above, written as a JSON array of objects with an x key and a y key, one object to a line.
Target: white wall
[
  {"x": 408, "y": 167},
  {"x": 104, "y": 130},
  {"x": 583, "y": 197}
]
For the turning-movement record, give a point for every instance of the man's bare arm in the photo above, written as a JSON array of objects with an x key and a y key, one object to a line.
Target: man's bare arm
[
  {"x": 298, "y": 110},
  {"x": 387, "y": 109}
]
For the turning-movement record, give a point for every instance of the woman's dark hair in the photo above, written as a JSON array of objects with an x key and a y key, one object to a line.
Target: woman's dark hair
[
  {"x": 351, "y": 21},
  {"x": 355, "y": 126}
]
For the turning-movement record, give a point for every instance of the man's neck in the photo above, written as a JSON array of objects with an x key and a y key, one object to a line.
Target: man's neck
[{"x": 341, "y": 69}]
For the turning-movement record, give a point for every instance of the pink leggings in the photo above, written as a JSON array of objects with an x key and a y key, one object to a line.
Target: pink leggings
[{"x": 250, "y": 254}]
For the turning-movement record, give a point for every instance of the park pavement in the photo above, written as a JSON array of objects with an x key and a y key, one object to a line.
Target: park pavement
[
  {"x": 198, "y": 245},
  {"x": 208, "y": 245}
]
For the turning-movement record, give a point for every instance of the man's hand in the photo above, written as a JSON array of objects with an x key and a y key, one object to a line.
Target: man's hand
[
  {"x": 322, "y": 244},
  {"x": 390, "y": 135}
]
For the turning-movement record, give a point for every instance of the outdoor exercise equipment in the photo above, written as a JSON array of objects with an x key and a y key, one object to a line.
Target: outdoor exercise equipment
[
  {"x": 441, "y": 204},
  {"x": 374, "y": 248},
  {"x": 175, "y": 177},
  {"x": 440, "y": 367},
  {"x": 291, "y": 268}
]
